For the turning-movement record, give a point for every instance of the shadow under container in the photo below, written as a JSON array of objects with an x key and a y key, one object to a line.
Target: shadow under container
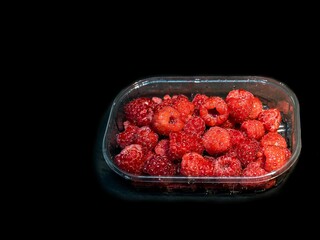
[{"x": 272, "y": 93}]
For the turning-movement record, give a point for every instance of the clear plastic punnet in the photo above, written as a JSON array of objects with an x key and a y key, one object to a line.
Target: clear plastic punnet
[{"x": 272, "y": 93}]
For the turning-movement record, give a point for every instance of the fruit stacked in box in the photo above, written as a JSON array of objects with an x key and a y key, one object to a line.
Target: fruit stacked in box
[{"x": 202, "y": 136}]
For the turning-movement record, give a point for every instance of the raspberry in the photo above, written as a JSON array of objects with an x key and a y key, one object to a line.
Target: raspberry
[
  {"x": 139, "y": 111},
  {"x": 236, "y": 136},
  {"x": 253, "y": 129},
  {"x": 227, "y": 166},
  {"x": 216, "y": 140},
  {"x": 239, "y": 109},
  {"x": 198, "y": 100},
  {"x": 271, "y": 119},
  {"x": 130, "y": 159},
  {"x": 166, "y": 120},
  {"x": 247, "y": 151},
  {"x": 239, "y": 94},
  {"x": 254, "y": 169},
  {"x": 181, "y": 143},
  {"x": 240, "y": 104},
  {"x": 162, "y": 148},
  {"x": 166, "y": 102},
  {"x": 256, "y": 108},
  {"x": 183, "y": 105},
  {"x": 128, "y": 136},
  {"x": 159, "y": 166},
  {"x": 195, "y": 125},
  {"x": 214, "y": 111},
  {"x": 195, "y": 165},
  {"x": 275, "y": 157},
  {"x": 273, "y": 139},
  {"x": 146, "y": 138}
]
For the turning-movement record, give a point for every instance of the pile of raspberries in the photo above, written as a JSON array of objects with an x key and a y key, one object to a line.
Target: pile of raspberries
[{"x": 206, "y": 136}]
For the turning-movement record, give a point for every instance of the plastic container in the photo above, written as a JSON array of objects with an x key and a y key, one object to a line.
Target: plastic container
[{"x": 272, "y": 93}]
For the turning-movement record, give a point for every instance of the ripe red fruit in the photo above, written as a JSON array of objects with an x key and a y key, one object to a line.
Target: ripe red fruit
[
  {"x": 198, "y": 100},
  {"x": 183, "y": 105},
  {"x": 273, "y": 139},
  {"x": 253, "y": 129},
  {"x": 140, "y": 111},
  {"x": 256, "y": 108},
  {"x": 147, "y": 138},
  {"x": 216, "y": 140},
  {"x": 254, "y": 169},
  {"x": 130, "y": 159},
  {"x": 247, "y": 151},
  {"x": 214, "y": 111},
  {"x": 236, "y": 136},
  {"x": 271, "y": 119},
  {"x": 227, "y": 166},
  {"x": 181, "y": 143},
  {"x": 240, "y": 104},
  {"x": 128, "y": 136},
  {"x": 195, "y": 125},
  {"x": 167, "y": 120},
  {"x": 195, "y": 165},
  {"x": 276, "y": 157},
  {"x": 159, "y": 166},
  {"x": 162, "y": 148}
]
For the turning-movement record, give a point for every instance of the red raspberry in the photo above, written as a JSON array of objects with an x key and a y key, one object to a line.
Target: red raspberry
[
  {"x": 232, "y": 152},
  {"x": 275, "y": 157},
  {"x": 239, "y": 94},
  {"x": 256, "y": 108},
  {"x": 130, "y": 159},
  {"x": 254, "y": 169},
  {"x": 195, "y": 165},
  {"x": 236, "y": 136},
  {"x": 166, "y": 120},
  {"x": 162, "y": 148},
  {"x": 183, "y": 105},
  {"x": 216, "y": 140},
  {"x": 159, "y": 166},
  {"x": 273, "y": 139},
  {"x": 128, "y": 136},
  {"x": 240, "y": 104},
  {"x": 181, "y": 143},
  {"x": 214, "y": 111},
  {"x": 227, "y": 166},
  {"x": 195, "y": 125},
  {"x": 146, "y": 138},
  {"x": 139, "y": 111},
  {"x": 198, "y": 100},
  {"x": 247, "y": 151},
  {"x": 239, "y": 109},
  {"x": 253, "y": 129},
  {"x": 166, "y": 102},
  {"x": 271, "y": 119}
]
